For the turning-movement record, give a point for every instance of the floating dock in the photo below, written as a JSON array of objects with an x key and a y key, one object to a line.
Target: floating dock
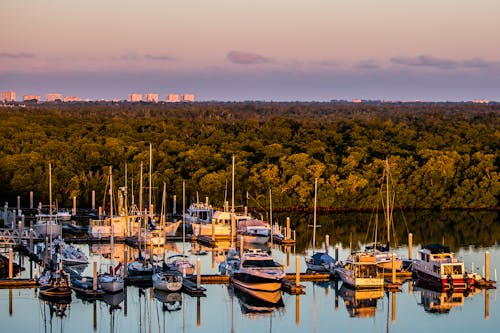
[{"x": 18, "y": 283}]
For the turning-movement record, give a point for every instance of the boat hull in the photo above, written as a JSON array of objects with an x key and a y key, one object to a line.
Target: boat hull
[
  {"x": 167, "y": 282},
  {"x": 46, "y": 230},
  {"x": 111, "y": 284}
]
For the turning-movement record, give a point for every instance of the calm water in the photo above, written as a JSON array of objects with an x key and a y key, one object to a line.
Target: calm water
[{"x": 326, "y": 306}]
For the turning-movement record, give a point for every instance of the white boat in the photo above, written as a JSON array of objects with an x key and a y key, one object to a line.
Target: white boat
[
  {"x": 180, "y": 263},
  {"x": 69, "y": 254},
  {"x": 140, "y": 267},
  {"x": 63, "y": 215},
  {"x": 199, "y": 213},
  {"x": 47, "y": 225},
  {"x": 167, "y": 281},
  {"x": 254, "y": 231},
  {"x": 258, "y": 271},
  {"x": 110, "y": 281},
  {"x": 360, "y": 272},
  {"x": 439, "y": 267},
  {"x": 102, "y": 227},
  {"x": 220, "y": 223},
  {"x": 153, "y": 237}
]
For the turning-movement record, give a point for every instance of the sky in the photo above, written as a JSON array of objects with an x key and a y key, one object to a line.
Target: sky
[{"x": 271, "y": 50}]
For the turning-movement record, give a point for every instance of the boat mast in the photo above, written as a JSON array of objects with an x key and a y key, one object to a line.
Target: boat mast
[
  {"x": 183, "y": 213},
  {"x": 150, "y": 208},
  {"x": 111, "y": 239},
  {"x": 232, "y": 204},
  {"x": 388, "y": 218},
  {"x": 50, "y": 214},
  {"x": 314, "y": 216}
]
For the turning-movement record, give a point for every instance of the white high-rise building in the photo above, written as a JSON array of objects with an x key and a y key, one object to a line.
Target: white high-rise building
[
  {"x": 8, "y": 96},
  {"x": 172, "y": 98},
  {"x": 31, "y": 98},
  {"x": 134, "y": 97},
  {"x": 53, "y": 97},
  {"x": 187, "y": 98},
  {"x": 153, "y": 98}
]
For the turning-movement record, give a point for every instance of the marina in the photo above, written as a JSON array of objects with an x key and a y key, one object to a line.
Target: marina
[{"x": 306, "y": 301}]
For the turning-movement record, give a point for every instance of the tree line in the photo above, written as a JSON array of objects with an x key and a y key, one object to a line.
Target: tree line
[{"x": 441, "y": 155}]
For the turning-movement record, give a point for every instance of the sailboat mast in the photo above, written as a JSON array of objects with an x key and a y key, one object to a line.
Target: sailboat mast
[
  {"x": 314, "y": 216},
  {"x": 232, "y": 204},
  {"x": 150, "y": 175},
  {"x": 50, "y": 213},
  {"x": 183, "y": 214},
  {"x": 111, "y": 240},
  {"x": 388, "y": 216}
]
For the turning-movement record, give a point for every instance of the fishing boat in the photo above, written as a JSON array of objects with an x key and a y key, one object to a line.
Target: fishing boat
[
  {"x": 199, "y": 212},
  {"x": 439, "y": 267},
  {"x": 318, "y": 261},
  {"x": 167, "y": 280},
  {"x": 258, "y": 271},
  {"x": 360, "y": 272}
]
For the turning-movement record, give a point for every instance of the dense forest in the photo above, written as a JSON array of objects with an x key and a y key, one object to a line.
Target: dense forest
[{"x": 441, "y": 155}]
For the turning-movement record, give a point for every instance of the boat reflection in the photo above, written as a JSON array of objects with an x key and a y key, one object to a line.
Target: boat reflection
[
  {"x": 360, "y": 303},
  {"x": 257, "y": 304},
  {"x": 170, "y": 301},
  {"x": 438, "y": 302},
  {"x": 113, "y": 300}
]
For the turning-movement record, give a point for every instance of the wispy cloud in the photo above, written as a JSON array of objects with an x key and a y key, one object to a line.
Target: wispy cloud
[
  {"x": 425, "y": 61},
  {"x": 18, "y": 55},
  {"x": 159, "y": 57},
  {"x": 479, "y": 63},
  {"x": 367, "y": 64},
  {"x": 247, "y": 58}
]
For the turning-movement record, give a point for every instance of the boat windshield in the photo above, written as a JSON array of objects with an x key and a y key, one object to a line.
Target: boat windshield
[
  {"x": 456, "y": 269},
  {"x": 260, "y": 263}
]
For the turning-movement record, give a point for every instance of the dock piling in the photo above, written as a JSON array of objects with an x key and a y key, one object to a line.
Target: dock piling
[
  {"x": 11, "y": 267},
  {"x": 337, "y": 252},
  {"x": 94, "y": 276},
  {"x": 327, "y": 242},
  {"x": 297, "y": 271},
  {"x": 198, "y": 274},
  {"x": 487, "y": 266},
  {"x": 393, "y": 268},
  {"x": 410, "y": 246}
]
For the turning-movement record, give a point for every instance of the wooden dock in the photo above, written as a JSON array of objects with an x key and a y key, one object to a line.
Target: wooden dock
[
  {"x": 292, "y": 288},
  {"x": 18, "y": 283},
  {"x": 190, "y": 288}
]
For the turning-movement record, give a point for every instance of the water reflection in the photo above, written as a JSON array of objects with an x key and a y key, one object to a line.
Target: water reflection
[
  {"x": 257, "y": 304},
  {"x": 361, "y": 303}
]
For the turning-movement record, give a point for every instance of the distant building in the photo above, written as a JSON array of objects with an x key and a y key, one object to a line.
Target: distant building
[
  {"x": 172, "y": 98},
  {"x": 480, "y": 101},
  {"x": 8, "y": 96},
  {"x": 53, "y": 97},
  {"x": 71, "y": 99},
  {"x": 134, "y": 97},
  {"x": 27, "y": 98},
  {"x": 153, "y": 98},
  {"x": 187, "y": 98},
  {"x": 357, "y": 100}
]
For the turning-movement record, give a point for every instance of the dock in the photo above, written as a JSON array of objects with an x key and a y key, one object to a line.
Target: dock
[
  {"x": 18, "y": 283},
  {"x": 190, "y": 288}
]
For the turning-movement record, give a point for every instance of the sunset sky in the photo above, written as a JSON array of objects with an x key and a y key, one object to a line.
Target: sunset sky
[{"x": 235, "y": 50}]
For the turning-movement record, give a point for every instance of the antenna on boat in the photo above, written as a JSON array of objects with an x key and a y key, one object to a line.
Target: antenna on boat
[{"x": 314, "y": 215}]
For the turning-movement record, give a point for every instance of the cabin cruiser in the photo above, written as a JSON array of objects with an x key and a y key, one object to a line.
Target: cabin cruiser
[
  {"x": 360, "y": 272},
  {"x": 258, "y": 271},
  {"x": 438, "y": 266}
]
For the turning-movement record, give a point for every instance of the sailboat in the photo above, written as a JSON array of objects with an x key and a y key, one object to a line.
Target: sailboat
[
  {"x": 111, "y": 282},
  {"x": 319, "y": 261},
  {"x": 180, "y": 262},
  {"x": 54, "y": 284},
  {"x": 381, "y": 252}
]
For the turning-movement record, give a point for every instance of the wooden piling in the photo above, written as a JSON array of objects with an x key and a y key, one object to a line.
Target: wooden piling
[
  {"x": 393, "y": 268},
  {"x": 125, "y": 262},
  {"x": 487, "y": 266},
  {"x": 93, "y": 200},
  {"x": 287, "y": 232},
  {"x": 327, "y": 242},
  {"x": 336, "y": 252},
  {"x": 213, "y": 229},
  {"x": 31, "y": 199},
  {"x": 297, "y": 271},
  {"x": 74, "y": 206},
  {"x": 94, "y": 276},
  {"x": 11, "y": 267},
  {"x": 410, "y": 246},
  {"x": 198, "y": 274}
]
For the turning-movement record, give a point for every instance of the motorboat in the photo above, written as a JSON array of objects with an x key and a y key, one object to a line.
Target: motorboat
[
  {"x": 360, "y": 272},
  {"x": 258, "y": 271},
  {"x": 219, "y": 225},
  {"x": 199, "y": 213},
  {"x": 180, "y": 263},
  {"x": 68, "y": 253},
  {"x": 254, "y": 231},
  {"x": 167, "y": 280},
  {"x": 320, "y": 262},
  {"x": 438, "y": 266},
  {"x": 47, "y": 225}
]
